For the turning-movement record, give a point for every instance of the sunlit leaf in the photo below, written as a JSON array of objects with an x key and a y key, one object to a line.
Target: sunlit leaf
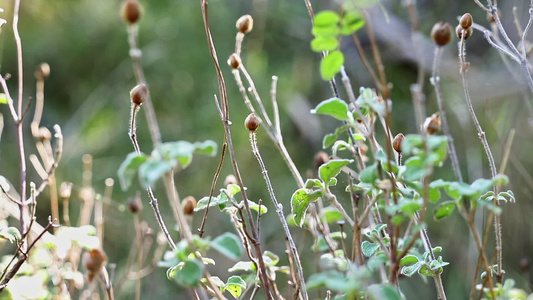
[
  {"x": 334, "y": 107},
  {"x": 300, "y": 202},
  {"x": 128, "y": 168},
  {"x": 324, "y": 43},
  {"x": 331, "y": 64},
  {"x": 228, "y": 244},
  {"x": 444, "y": 209},
  {"x": 332, "y": 168}
]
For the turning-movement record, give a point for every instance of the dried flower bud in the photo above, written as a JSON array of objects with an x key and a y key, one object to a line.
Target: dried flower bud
[
  {"x": 94, "y": 260},
  {"x": 65, "y": 191},
  {"x": 138, "y": 94},
  {"x": 131, "y": 11},
  {"x": 320, "y": 159},
  {"x": 490, "y": 17},
  {"x": 442, "y": 33},
  {"x": 466, "y": 21},
  {"x": 459, "y": 30},
  {"x": 245, "y": 24},
  {"x": 42, "y": 71},
  {"x": 135, "y": 204},
  {"x": 189, "y": 204},
  {"x": 524, "y": 263},
  {"x": 432, "y": 124},
  {"x": 397, "y": 142},
  {"x": 230, "y": 179},
  {"x": 234, "y": 61},
  {"x": 252, "y": 122}
]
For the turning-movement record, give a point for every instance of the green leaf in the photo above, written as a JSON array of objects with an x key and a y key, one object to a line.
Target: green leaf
[
  {"x": 11, "y": 234},
  {"x": 242, "y": 266},
  {"x": 312, "y": 183},
  {"x": 409, "y": 260},
  {"x": 3, "y": 98},
  {"x": 426, "y": 270},
  {"x": 444, "y": 209},
  {"x": 183, "y": 151},
  {"x": 411, "y": 269},
  {"x": 383, "y": 292},
  {"x": 326, "y": 24},
  {"x": 332, "y": 168},
  {"x": 369, "y": 248},
  {"x": 128, "y": 168},
  {"x": 228, "y": 244},
  {"x": 270, "y": 258},
  {"x": 415, "y": 169},
  {"x": 331, "y": 214},
  {"x": 152, "y": 169},
  {"x": 324, "y": 43},
  {"x": 331, "y": 64},
  {"x": 300, "y": 202},
  {"x": 369, "y": 174},
  {"x": 235, "y": 285},
  {"x": 189, "y": 274},
  {"x": 206, "y": 148},
  {"x": 334, "y": 107},
  {"x": 351, "y": 22}
]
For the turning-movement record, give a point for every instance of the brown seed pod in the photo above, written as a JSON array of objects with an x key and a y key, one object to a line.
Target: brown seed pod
[
  {"x": 189, "y": 204},
  {"x": 459, "y": 31},
  {"x": 230, "y": 179},
  {"x": 490, "y": 17},
  {"x": 442, "y": 33},
  {"x": 320, "y": 159},
  {"x": 234, "y": 61},
  {"x": 397, "y": 142},
  {"x": 94, "y": 260},
  {"x": 432, "y": 124},
  {"x": 252, "y": 122},
  {"x": 245, "y": 24},
  {"x": 135, "y": 204},
  {"x": 42, "y": 71},
  {"x": 466, "y": 21},
  {"x": 138, "y": 94},
  {"x": 131, "y": 11}
]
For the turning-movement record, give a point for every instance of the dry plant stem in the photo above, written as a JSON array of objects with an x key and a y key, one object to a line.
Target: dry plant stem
[
  {"x": 135, "y": 54},
  {"x": 436, "y": 84},
  {"x": 300, "y": 284},
  {"x": 224, "y": 111},
  {"x": 481, "y": 134},
  {"x": 416, "y": 40},
  {"x": 364, "y": 59},
  {"x": 377, "y": 58}
]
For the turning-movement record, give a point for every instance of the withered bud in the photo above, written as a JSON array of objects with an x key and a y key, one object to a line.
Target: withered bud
[
  {"x": 131, "y": 11},
  {"x": 466, "y": 21},
  {"x": 135, "y": 204},
  {"x": 44, "y": 134},
  {"x": 490, "y": 17},
  {"x": 397, "y": 143},
  {"x": 442, "y": 33},
  {"x": 230, "y": 179},
  {"x": 252, "y": 122},
  {"x": 525, "y": 263},
  {"x": 189, "y": 204},
  {"x": 94, "y": 260},
  {"x": 42, "y": 71},
  {"x": 320, "y": 159},
  {"x": 459, "y": 31},
  {"x": 432, "y": 124},
  {"x": 138, "y": 94},
  {"x": 245, "y": 24},
  {"x": 65, "y": 191},
  {"x": 234, "y": 61}
]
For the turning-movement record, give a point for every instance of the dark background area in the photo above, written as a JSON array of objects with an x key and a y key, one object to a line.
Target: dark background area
[{"x": 87, "y": 94}]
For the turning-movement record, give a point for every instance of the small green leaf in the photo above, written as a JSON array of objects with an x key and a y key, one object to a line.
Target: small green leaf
[
  {"x": 189, "y": 274},
  {"x": 235, "y": 285},
  {"x": 331, "y": 64},
  {"x": 324, "y": 43},
  {"x": 444, "y": 209},
  {"x": 242, "y": 266},
  {"x": 408, "y": 260},
  {"x": 426, "y": 270},
  {"x": 128, "y": 168},
  {"x": 228, "y": 244},
  {"x": 411, "y": 269},
  {"x": 331, "y": 214},
  {"x": 369, "y": 174},
  {"x": 270, "y": 258},
  {"x": 383, "y": 292},
  {"x": 206, "y": 148},
  {"x": 369, "y": 248},
  {"x": 11, "y": 234},
  {"x": 202, "y": 203},
  {"x": 332, "y": 168},
  {"x": 3, "y": 98},
  {"x": 312, "y": 183},
  {"x": 326, "y": 24},
  {"x": 300, "y": 202},
  {"x": 351, "y": 22},
  {"x": 152, "y": 169},
  {"x": 254, "y": 206},
  {"x": 334, "y": 107}
]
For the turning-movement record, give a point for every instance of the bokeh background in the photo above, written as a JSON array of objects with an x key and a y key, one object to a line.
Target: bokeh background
[{"x": 85, "y": 44}]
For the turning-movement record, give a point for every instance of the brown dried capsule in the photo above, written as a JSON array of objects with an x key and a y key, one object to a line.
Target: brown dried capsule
[
  {"x": 466, "y": 21},
  {"x": 490, "y": 17},
  {"x": 131, "y": 11},
  {"x": 42, "y": 71},
  {"x": 234, "y": 61},
  {"x": 459, "y": 31},
  {"x": 252, "y": 122},
  {"x": 135, "y": 204},
  {"x": 397, "y": 142},
  {"x": 442, "y": 33},
  {"x": 138, "y": 94},
  {"x": 320, "y": 159},
  {"x": 432, "y": 124},
  {"x": 230, "y": 179},
  {"x": 189, "y": 204},
  {"x": 94, "y": 260},
  {"x": 245, "y": 24}
]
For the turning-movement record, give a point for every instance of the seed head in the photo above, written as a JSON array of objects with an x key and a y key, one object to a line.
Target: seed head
[
  {"x": 94, "y": 260},
  {"x": 432, "y": 124},
  {"x": 234, "y": 61},
  {"x": 252, "y": 122},
  {"x": 442, "y": 33},
  {"x": 459, "y": 31},
  {"x": 42, "y": 71},
  {"x": 138, "y": 94},
  {"x": 135, "y": 204},
  {"x": 466, "y": 21},
  {"x": 189, "y": 204},
  {"x": 230, "y": 179},
  {"x": 320, "y": 159},
  {"x": 245, "y": 24},
  {"x": 131, "y": 11},
  {"x": 397, "y": 143}
]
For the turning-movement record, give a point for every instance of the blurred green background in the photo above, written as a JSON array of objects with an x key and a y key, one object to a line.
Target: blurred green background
[{"x": 85, "y": 44}]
